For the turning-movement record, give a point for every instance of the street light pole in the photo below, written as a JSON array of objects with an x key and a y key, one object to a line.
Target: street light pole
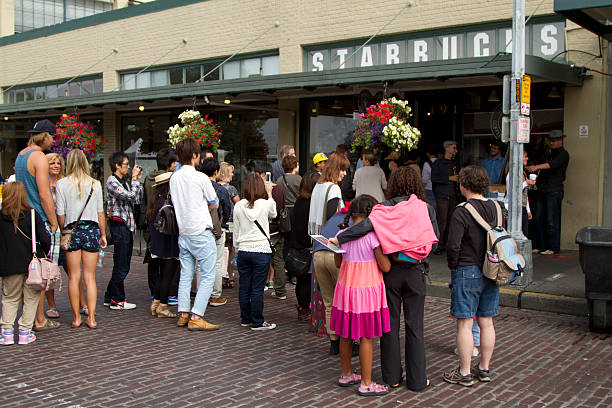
[{"x": 516, "y": 148}]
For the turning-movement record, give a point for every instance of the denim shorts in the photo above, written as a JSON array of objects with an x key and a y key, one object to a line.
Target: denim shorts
[
  {"x": 472, "y": 295},
  {"x": 85, "y": 236}
]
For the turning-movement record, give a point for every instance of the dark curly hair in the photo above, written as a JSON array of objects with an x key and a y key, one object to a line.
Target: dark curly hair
[
  {"x": 474, "y": 178},
  {"x": 362, "y": 204},
  {"x": 404, "y": 182}
]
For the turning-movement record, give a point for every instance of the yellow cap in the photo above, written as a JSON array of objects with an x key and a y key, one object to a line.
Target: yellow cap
[{"x": 319, "y": 157}]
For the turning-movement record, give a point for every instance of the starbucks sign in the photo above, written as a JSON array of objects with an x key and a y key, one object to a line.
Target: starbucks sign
[{"x": 541, "y": 39}]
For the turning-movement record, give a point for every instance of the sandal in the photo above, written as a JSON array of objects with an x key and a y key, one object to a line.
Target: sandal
[
  {"x": 231, "y": 283},
  {"x": 91, "y": 326},
  {"x": 49, "y": 325},
  {"x": 52, "y": 313},
  {"x": 84, "y": 311},
  {"x": 372, "y": 390},
  {"x": 350, "y": 380}
]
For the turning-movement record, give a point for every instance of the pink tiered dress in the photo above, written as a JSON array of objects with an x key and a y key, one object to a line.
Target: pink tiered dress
[{"x": 360, "y": 301}]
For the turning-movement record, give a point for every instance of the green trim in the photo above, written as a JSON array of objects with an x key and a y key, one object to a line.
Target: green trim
[
  {"x": 96, "y": 19},
  {"x": 502, "y": 64},
  {"x": 566, "y": 5}
]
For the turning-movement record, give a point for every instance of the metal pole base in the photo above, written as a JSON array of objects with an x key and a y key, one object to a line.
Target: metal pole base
[{"x": 524, "y": 248}]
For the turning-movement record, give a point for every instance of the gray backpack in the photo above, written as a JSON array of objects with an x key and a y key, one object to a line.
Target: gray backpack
[{"x": 503, "y": 263}]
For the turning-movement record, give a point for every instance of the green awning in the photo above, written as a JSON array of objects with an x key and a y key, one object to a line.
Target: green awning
[
  {"x": 469, "y": 69},
  {"x": 594, "y": 15}
]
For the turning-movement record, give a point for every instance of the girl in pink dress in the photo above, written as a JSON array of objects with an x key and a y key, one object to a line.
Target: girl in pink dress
[{"x": 359, "y": 310}]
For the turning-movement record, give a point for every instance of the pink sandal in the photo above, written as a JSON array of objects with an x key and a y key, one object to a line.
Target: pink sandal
[
  {"x": 372, "y": 390},
  {"x": 350, "y": 380}
]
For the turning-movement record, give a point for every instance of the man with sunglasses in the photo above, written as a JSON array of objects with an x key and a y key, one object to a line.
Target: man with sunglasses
[{"x": 122, "y": 192}]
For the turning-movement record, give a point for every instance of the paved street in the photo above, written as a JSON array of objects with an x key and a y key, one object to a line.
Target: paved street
[{"x": 135, "y": 360}]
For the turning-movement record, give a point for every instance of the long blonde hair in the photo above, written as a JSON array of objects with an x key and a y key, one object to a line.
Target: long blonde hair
[
  {"x": 77, "y": 169},
  {"x": 51, "y": 158}
]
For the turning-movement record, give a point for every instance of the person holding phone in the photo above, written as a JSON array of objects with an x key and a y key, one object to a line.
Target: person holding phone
[{"x": 122, "y": 194}]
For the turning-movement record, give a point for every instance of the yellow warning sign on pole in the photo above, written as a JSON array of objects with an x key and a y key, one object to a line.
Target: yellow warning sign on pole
[{"x": 526, "y": 95}]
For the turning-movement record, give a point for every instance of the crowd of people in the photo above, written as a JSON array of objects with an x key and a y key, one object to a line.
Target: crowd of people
[{"x": 202, "y": 230}]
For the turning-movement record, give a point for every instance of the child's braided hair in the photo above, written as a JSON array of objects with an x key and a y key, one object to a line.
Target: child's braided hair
[{"x": 362, "y": 204}]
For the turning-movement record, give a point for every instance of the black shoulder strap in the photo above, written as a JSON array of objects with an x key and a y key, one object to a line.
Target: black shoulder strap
[
  {"x": 264, "y": 233},
  {"x": 289, "y": 187}
]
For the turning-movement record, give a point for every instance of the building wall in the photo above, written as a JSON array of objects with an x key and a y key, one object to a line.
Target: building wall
[{"x": 217, "y": 28}]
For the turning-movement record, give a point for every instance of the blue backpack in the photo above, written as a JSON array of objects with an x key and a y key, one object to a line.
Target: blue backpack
[{"x": 503, "y": 263}]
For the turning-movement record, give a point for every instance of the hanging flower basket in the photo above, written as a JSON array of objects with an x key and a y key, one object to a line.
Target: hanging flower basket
[
  {"x": 74, "y": 134},
  {"x": 386, "y": 124},
  {"x": 196, "y": 127}
]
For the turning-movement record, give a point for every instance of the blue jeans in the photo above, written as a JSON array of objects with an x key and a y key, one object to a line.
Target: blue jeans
[
  {"x": 200, "y": 248},
  {"x": 430, "y": 198},
  {"x": 123, "y": 242},
  {"x": 472, "y": 295},
  {"x": 253, "y": 269},
  {"x": 548, "y": 216}
]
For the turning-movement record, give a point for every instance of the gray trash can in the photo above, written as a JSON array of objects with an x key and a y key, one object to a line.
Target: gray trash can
[{"x": 595, "y": 245}]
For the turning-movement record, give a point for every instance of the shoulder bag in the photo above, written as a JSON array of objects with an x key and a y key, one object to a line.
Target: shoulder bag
[
  {"x": 66, "y": 236},
  {"x": 165, "y": 221},
  {"x": 43, "y": 274}
]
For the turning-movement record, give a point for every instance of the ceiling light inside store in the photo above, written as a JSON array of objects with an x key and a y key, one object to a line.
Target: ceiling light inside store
[
  {"x": 141, "y": 108},
  {"x": 227, "y": 101},
  {"x": 6, "y": 118},
  {"x": 314, "y": 110},
  {"x": 230, "y": 116},
  {"x": 493, "y": 97},
  {"x": 554, "y": 93}
]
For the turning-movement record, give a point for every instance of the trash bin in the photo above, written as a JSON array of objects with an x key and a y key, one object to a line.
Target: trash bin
[{"x": 595, "y": 245}]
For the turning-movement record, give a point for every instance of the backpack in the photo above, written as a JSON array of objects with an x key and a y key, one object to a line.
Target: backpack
[
  {"x": 165, "y": 220},
  {"x": 503, "y": 263}
]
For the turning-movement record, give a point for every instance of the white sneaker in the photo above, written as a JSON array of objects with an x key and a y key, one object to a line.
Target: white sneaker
[
  {"x": 265, "y": 326},
  {"x": 125, "y": 305},
  {"x": 274, "y": 295}
]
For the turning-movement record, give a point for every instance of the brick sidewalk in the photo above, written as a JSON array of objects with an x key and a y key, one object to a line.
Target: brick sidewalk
[{"x": 135, "y": 360}]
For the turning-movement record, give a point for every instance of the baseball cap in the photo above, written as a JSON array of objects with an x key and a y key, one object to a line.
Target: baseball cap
[
  {"x": 319, "y": 157},
  {"x": 42, "y": 126},
  {"x": 555, "y": 134}
]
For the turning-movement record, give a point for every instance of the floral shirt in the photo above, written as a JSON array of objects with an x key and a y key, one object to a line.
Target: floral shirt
[{"x": 121, "y": 197}]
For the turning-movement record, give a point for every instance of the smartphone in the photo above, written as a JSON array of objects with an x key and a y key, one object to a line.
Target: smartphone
[{"x": 268, "y": 177}]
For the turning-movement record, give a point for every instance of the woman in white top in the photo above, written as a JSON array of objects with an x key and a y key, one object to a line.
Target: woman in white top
[
  {"x": 326, "y": 197},
  {"x": 252, "y": 216},
  {"x": 88, "y": 236},
  {"x": 526, "y": 210}
]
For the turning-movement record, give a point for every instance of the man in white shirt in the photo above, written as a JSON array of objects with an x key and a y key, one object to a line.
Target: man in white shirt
[{"x": 192, "y": 193}]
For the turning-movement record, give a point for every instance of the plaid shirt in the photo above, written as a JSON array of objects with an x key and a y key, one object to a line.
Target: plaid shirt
[{"x": 122, "y": 199}]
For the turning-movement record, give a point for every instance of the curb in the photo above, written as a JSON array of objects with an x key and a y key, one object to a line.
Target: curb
[{"x": 522, "y": 299}]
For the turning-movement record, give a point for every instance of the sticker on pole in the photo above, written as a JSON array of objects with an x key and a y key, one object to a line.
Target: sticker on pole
[
  {"x": 526, "y": 95},
  {"x": 524, "y": 127}
]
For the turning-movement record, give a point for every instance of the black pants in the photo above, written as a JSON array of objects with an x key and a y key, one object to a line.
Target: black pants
[
  {"x": 444, "y": 210},
  {"x": 405, "y": 285},
  {"x": 123, "y": 242},
  {"x": 167, "y": 270},
  {"x": 153, "y": 271},
  {"x": 548, "y": 217},
  {"x": 302, "y": 290}
]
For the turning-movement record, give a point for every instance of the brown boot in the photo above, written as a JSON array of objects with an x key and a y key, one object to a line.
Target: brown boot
[
  {"x": 154, "y": 306},
  {"x": 201, "y": 324},
  {"x": 162, "y": 311}
]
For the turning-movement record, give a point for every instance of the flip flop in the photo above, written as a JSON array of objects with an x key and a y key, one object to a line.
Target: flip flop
[
  {"x": 76, "y": 326},
  {"x": 49, "y": 325},
  {"x": 91, "y": 326},
  {"x": 84, "y": 311},
  {"x": 52, "y": 313}
]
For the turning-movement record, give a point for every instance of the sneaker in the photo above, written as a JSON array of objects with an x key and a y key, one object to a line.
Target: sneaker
[
  {"x": 172, "y": 301},
  {"x": 220, "y": 301},
  {"x": 274, "y": 295},
  {"x": 245, "y": 324},
  {"x": 293, "y": 280},
  {"x": 26, "y": 337},
  {"x": 547, "y": 252},
  {"x": 482, "y": 375},
  {"x": 265, "y": 326},
  {"x": 107, "y": 303},
  {"x": 455, "y": 377},
  {"x": 271, "y": 285},
  {"x": 125, "y": 305},
  {"x": 535, "y": 251},
  {"x": 7, "y": 337}
]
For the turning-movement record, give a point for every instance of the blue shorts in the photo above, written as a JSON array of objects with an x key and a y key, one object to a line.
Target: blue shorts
[
  {"x": 472, "y": 295},
  {"x": 85, "y": 236}
]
